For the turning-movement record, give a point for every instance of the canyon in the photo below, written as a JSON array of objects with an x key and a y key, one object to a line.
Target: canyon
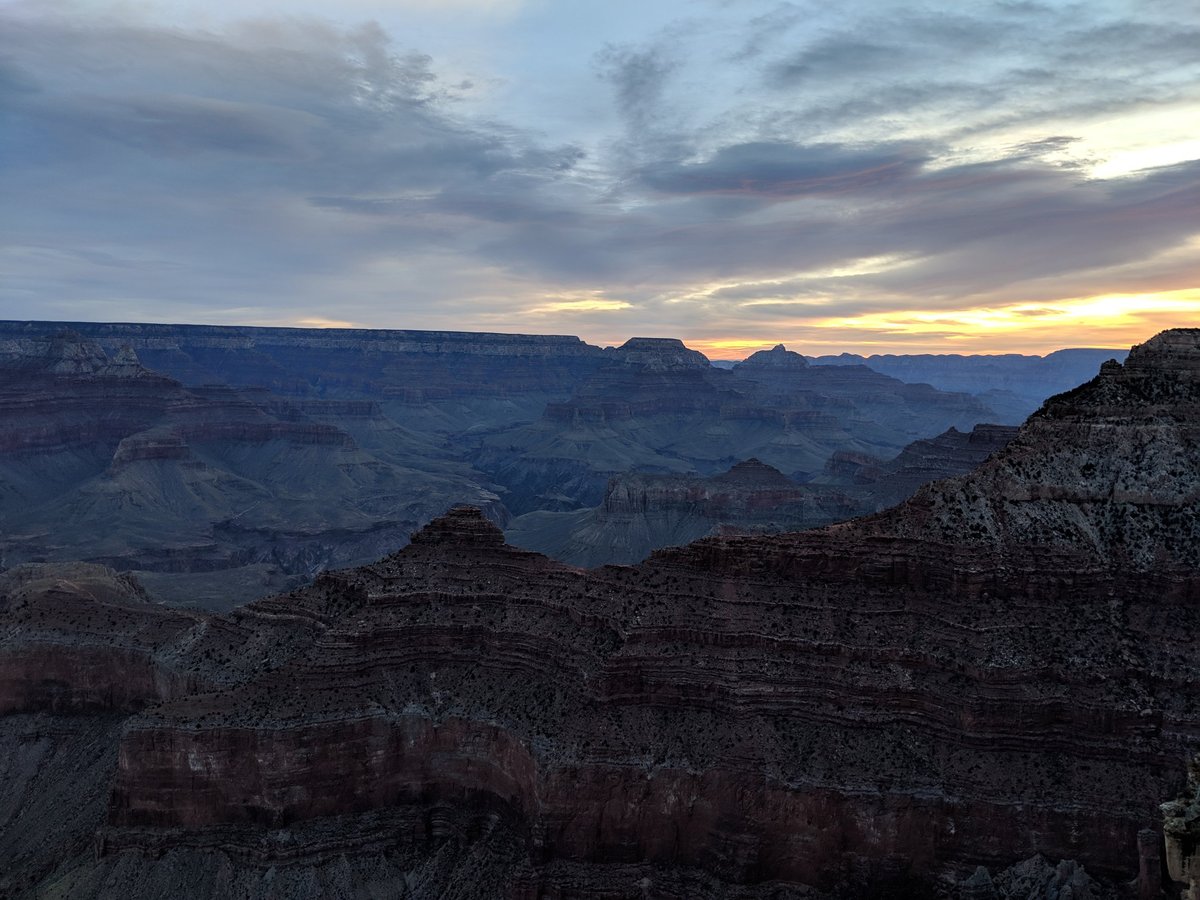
[
  {"x": 661, "y": 408},
  {"x": 1012, "y": 383},
  {"x": 212, "y": 494},
  {"x": 641, "y": 513},
  {"x": 221, "y": 463},
  {"x": 986, "y": 691}
]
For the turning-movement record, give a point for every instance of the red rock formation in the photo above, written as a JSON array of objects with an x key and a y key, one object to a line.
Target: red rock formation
[
  {"x": 82, "y": 637},
  {"x": 1005, "y": 665}
]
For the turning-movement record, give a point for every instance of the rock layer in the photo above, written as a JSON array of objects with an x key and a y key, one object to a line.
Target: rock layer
[
  {"x": 1009, "y": 381},
  {"x": 245, "y": 460},
  {"x": 645, "y": 512},
  {"x": 656, "y": 407},
  {"x": 1002, "y": 666},
  {"x": 103, "y": 459}
]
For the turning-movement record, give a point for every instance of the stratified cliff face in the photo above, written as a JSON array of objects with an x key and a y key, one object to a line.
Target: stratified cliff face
[
  {"x": 657, "y": 407},
  {"x": 1004, "y": 381},
  {"x": 1121, "y": 486},
  {"x": 220, "y": 463},
  {"x": 103, "y": 459},
  {"x": 643, "y": 512},
  {"x": 442, "y": 380},
  {"x": 79, "y": 637},
  {"x": 878, "y": 484},
  {"x": 1002, "y": 666}
]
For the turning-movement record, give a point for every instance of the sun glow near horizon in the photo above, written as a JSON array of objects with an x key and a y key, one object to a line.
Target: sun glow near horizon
[
  {"x": 1111, "y": 320},
  {"x": 1107, "y": 320}
]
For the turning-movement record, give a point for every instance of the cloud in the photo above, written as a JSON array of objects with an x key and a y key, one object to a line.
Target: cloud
[
  {"x": 782, "y": 169},
  {"x": 584, "y": 305},
  {"x": 323, "y": 322},
  {"x": 770, "y": 166}
]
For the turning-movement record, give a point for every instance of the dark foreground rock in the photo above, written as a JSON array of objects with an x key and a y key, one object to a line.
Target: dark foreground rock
[{"x": 1000, "y": 672}]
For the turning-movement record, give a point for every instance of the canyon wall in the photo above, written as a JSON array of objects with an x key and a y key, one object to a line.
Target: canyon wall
[{"x": 1003, "y": 666}]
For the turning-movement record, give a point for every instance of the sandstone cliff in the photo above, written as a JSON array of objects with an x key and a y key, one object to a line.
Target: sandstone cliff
[
  {"x": 644, "y": 512},
  {"x": 214, "y": 494},
  {"x": 1009, "y": 381},
  {"x": 656, "y": 407},
  {"x": 1003, "y": 666}
]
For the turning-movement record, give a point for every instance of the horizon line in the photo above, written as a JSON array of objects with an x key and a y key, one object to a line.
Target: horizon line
[{"x": 694, "y": 344}]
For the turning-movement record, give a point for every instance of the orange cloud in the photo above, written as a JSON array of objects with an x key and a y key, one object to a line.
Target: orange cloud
[{"x": 1110, "y": 320}]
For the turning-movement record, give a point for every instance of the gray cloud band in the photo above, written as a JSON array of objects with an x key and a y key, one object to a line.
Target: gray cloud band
[{"x": 151, "y": 168}]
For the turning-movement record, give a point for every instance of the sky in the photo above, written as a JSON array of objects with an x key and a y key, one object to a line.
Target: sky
[{"x": 872, "y": 176}]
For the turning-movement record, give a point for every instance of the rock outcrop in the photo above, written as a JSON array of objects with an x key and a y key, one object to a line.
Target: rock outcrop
[
  {"x": 878, "y": 484},
  {"x": 442, "y": 380},
  {"x": 659, "y": 354},
  {"x": 999, "y": 672},
  {"x": 657, "y": 407},
  {"x": 79, "y": 637},
  {"x": 1181, "y": 828},
  {"x": 641, "y": 513},
  {"x": 214, "y": 494},
  {"x": 219, "y": 463},
  {"x": 876, "y": 408},
  {"x": 645, "y": 512},
  {"x": 1006, "y": 382},
  {"x": 777, "y": 357}
]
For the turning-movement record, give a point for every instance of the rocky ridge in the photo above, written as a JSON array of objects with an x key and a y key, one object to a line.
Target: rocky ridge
[
  {"x": 444, "y": 381},
  {"x": 645, "y": 512},
  {"x": 656, "y": 407},
  {"x": 223, "y": 462},
  {"x": 1005, "y": 382},
  {"x": 104, "y": 459},
  {"x": 1000, "y": 667},
  {"x": 878, "y": 484},
  {"x": 642, "y": 512}
]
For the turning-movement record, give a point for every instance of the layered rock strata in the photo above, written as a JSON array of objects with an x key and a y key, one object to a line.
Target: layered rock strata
[
  {"x": 462, "y": 374},
  {"x": 641, "y": 513},
  {"x": 645, "y": 512},
  {"x": 878, "y": 484},
  {"x": 1010, "y": 381},
  {"x": 656, "y": 407},
  {"x": 996, "y": 668},
  {"x": 103, "y": 459},
  {"x": 1002, "y": 667},
  {"x": 244, "y": 460}
]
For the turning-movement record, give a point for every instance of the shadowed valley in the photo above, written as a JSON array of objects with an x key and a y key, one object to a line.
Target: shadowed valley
[
  {"x": 219, "y": 464},
  {"x": 946, "y": 698}
]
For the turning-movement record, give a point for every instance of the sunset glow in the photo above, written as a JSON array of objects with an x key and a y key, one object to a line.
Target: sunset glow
[
  {"x": 951, "y": 178},
  {"x": 1117, "y": 321},
  {"x": 1113, "y": 320},
  {"x": 585, "y": 305},
  {"x": 321, "y": 322}
]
